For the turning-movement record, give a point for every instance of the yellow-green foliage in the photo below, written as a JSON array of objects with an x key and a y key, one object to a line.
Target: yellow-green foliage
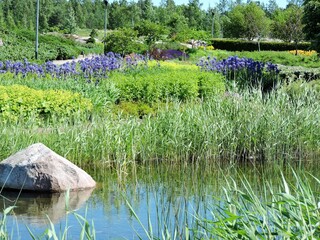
[
  {"x": 162, "y": 84},
  {"x": 172, "y": 65},
  {"x": 137, "y": 109},
  {"x": 21, "y": 102}
]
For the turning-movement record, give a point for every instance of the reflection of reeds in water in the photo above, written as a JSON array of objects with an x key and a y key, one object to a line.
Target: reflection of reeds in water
[
  {"x": 288, "y": 211},
  {"x": 209, "y": 201}
]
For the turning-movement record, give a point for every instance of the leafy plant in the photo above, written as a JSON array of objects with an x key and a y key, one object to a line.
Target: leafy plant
[{"x": 20, "y": 102}]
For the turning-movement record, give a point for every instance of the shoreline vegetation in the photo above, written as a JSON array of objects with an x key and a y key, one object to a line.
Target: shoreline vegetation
[{"x": 125, "y": 114}]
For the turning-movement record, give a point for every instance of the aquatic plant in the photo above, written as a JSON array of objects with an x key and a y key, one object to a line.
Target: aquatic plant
[
  {"x": 243, "y": 128},
  {"x": 289, "y": 213},
  {"x": 242, "y": 212}
]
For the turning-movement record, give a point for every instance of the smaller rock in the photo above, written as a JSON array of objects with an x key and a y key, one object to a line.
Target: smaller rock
[
  {"x": 38, "y": 168},
  {"x": 1, "y": 42}
]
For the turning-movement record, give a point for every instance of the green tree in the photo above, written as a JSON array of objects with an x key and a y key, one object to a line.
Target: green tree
[
  {"x": 151, "y": 32},
  {"x": 188, "y": 34},
  {"x": 271, "y": 8},
  {"x": 70, "y": 24},
  {"x": 246, "y": 21},
  {"x": 311, "y": 19},
  {"x": 123, "y": 41},
  {"x": 2, "y": 22},
  {"x": 287, "y": 24},
  {"x": 177, "y": 23},
  {"x": 194, "y": 14},
  {"x": 147, "y": 10}
]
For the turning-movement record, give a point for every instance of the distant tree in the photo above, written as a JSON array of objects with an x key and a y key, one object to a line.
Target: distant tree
[
  {"x": 119, "y": 15},
  {"x": 70, "y": 24},
  {"x": 134, "y": 13},
  {"x": 298, "y": 3},
  {"x": 188, "y": 34},
  {"x": 287, "y": 24},
  {"x": 246, "y": 21},
  {"x": 217, "y": 30},
  {"x": 223, "y": 6},
  {"x": 79, "y": 13},
  {"x": 151, "y": 32},
  {"x": 123, "y": 41},
  {"x": 147, "y": 9},
  {"x": 10, "y": 23},
  {"x": 271, "y": 8},
  {"x": 194, "y": 14},
  {"x": 176, "y": 24},
  {"x": 2, "y": 22},
  {"x": 311, "y": 19}
]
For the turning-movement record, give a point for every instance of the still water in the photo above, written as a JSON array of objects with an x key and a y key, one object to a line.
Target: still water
[{"x": 163, "y": 198}]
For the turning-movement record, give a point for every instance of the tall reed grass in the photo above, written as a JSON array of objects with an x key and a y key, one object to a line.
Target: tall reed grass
[
  {"x": 247, "y": 127},
  {"x": 288, "y": 211}
]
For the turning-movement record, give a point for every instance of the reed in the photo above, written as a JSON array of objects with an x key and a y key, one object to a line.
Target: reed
[
  {"x": 236, "y": 128},
  {"x": 288, "y": 211}
]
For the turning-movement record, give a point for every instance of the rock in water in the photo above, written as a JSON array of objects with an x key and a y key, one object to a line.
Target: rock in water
[{"x": 38, "y": 168}]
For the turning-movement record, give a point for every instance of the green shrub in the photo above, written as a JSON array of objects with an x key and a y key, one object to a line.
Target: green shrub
[
  {"x": 164, "y": 84},
  {"x": 134, "y": 109},
  {"x": 17, "y": 102},
  {"x": 241, "y": 45},
  {"x": 20, "y": 45},
  {"x": 124, "y": 41}
]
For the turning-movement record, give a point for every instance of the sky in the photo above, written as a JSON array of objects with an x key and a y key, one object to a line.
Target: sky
[{"x": 212, "y": 3}]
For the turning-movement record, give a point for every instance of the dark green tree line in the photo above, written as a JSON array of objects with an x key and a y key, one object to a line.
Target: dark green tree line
[{"x": 232, "y": 18}]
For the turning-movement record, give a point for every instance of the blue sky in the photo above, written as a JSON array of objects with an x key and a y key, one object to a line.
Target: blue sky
[{"x": 212, "y": 3}]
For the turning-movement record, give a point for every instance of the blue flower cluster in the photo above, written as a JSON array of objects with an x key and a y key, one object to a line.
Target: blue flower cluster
[
  {"x": 96, "y": 67},
  {"x": 244, "y": 71}
]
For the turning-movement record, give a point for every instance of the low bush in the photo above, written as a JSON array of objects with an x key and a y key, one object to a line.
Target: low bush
[
  {"x": 19, "y": 45},
  {"x": 241, "y": 45},
  {"x": 134, "y": 109},
  {"x": 162, "y": 84},
  {"x": 19, "y": 102}
]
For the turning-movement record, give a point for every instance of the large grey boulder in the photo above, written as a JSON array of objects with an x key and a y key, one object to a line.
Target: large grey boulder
[{"x": 38, "y": 168}]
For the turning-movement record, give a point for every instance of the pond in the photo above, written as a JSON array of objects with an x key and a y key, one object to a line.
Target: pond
[{"x": 164, "y": 198}]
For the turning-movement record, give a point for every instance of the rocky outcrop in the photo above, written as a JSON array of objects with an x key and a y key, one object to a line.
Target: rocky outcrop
[{"x": 38, "y": 168}]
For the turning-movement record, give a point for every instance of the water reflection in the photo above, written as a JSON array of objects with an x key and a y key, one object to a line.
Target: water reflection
[
  {"x": 35, "y": 207},
  {"x": 166, "y": 196}
]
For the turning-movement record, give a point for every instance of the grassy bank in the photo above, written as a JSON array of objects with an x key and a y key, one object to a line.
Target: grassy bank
[{"x": 246, "y": 127}]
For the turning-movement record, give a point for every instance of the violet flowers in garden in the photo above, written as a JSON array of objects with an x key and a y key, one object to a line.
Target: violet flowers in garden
[
  {"x": 244, "y": 72},
  {"x": 96, "y": 67}
]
